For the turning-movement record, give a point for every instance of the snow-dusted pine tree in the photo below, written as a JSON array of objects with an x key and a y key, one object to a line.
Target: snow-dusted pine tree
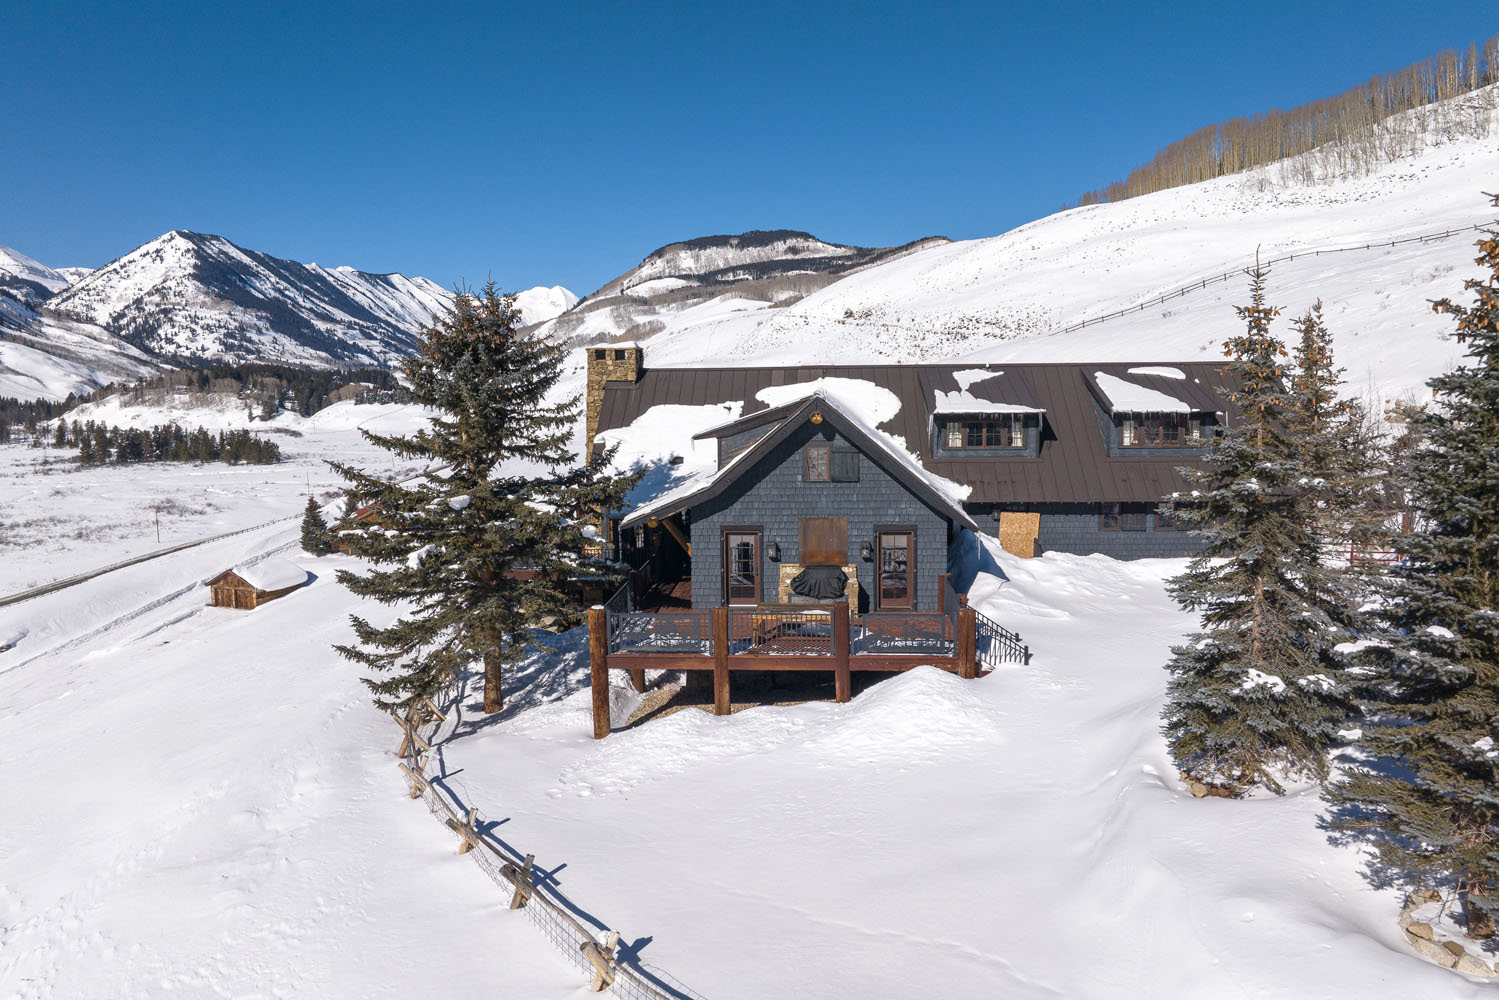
[
  {"x": 1338, "y": 446},
  {"x": 1252, "y": 700},
  {"x": 503, "y": 493},
  {"x": 316, "y": 539},
  {"x": 1427, "y": 793}
]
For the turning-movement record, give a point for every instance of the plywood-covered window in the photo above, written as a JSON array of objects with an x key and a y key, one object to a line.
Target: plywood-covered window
[{"x": 822, "y": 541}]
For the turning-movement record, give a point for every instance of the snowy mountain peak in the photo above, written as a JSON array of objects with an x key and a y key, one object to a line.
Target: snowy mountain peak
[
  {"x": 707, "y": 255},
  {"x": 187, "y": 295},
  {"x": 539, "y": 304},
  {"x": 27, "y": 280}
]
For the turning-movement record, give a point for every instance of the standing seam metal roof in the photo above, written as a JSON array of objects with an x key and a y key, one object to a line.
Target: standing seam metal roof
[{"x": 1073, "y": 465}]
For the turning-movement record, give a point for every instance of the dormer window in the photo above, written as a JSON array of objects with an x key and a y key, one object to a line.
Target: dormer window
[
  {"x": 1003, "y": 431},
  {"x": 1161, "y": 430}
]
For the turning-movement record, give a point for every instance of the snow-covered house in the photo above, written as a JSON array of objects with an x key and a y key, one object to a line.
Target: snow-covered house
[
  {"x": 248, "y": 587},
  {"x": 876, "y": 466}
]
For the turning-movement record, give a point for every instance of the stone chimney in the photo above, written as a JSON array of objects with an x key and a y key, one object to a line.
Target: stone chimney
[{"x": 607, "y": 363}]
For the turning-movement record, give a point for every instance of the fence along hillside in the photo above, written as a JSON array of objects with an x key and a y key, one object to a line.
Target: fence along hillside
[{"x": 1358, "y": 128}]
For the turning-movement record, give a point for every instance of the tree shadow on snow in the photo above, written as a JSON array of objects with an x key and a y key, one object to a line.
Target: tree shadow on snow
[{"x": 554, "y": 668}]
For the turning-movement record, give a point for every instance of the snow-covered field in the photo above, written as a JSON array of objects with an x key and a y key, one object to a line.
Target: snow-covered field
[
  {"x": 202, "y": 802},
  {"x": 60, "y": 518}
]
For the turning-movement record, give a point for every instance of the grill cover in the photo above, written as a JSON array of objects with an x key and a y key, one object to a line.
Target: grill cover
[{"x": 825, "y": 583}]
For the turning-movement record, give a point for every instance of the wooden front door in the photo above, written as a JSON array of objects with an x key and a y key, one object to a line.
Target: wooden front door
[
  {"x": 741, "y": 567},
  {"x": 897, "y": 562}
]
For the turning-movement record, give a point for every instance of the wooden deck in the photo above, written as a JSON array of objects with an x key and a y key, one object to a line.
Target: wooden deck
[
  {"x": 725, "y": 639},
  {"x": 676, "y": 596}
]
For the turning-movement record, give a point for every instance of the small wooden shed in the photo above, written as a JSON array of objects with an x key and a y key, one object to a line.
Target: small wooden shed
[
  {"x": 359, "y": 520},
  {"x": 248, "y": 587}
]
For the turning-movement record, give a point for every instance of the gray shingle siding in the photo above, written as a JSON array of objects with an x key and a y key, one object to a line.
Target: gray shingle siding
[
  {"x": 1074, "y": 528},
  {"x": 772, "y": 497}
]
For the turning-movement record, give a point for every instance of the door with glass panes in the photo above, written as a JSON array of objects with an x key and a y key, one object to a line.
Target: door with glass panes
[
  {"x": 897, "y": 555},
  {"x": 741, "y": 567}
]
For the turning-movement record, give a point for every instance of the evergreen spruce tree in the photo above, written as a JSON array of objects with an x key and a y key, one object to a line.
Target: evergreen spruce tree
[
  {"x": 1426, "y": 795},
  {"x": 1343, "y": 459},
  {"x": 502, "y": 493},
  {"x": 316, "y": 539},
  {"x": 1252, "y": 699}
]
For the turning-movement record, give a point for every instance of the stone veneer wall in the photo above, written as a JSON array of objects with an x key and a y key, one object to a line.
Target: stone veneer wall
[{"x": 602, "y": 371}]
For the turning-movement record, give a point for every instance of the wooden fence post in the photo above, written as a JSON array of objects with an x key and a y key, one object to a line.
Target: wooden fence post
[
  {"x": 721, "y": 661},
  {"x": 598, "y": 668},
  {"x": 843, "y": 688},
  {"x": 967, "y": 643}
]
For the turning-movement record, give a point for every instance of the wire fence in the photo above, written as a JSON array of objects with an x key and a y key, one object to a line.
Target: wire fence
[
  {"x": 974, "y": 325},
  {"x": 1202, "y": 283},
  {"x": 597, "y": 953}
]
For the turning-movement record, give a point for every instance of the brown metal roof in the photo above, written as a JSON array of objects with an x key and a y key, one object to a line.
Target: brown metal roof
[{"x": 1073, "y": 466}]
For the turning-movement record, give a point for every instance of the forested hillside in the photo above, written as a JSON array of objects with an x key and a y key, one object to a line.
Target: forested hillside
[{"x": 1353, "y": 129}]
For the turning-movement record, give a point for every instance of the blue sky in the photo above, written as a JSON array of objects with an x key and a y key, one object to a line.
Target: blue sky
[{"x": 561, "y": 142}]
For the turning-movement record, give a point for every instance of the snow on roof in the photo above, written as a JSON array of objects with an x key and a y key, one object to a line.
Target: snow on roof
[
  {"x": 855, "y": 397},
  {"x": 271, "y": 574},
  {"x": 968, "y": 376},
  {"x": 1130, "y": 397},
  {"x": 663, "y": 433},
  {"x": 615, "y": 343},
  {"x": 990, "y": 400},
  {"x": 965, "y": 402},
  {"x": 1162, "y": 371},
  {"x": 837, "y": 399}
]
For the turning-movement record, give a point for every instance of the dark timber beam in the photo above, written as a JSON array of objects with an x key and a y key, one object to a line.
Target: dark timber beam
[
  {"x": 598, "y": 668},
  {"x": 843, "y": 687},
  {"x": 721, "y": 661}
]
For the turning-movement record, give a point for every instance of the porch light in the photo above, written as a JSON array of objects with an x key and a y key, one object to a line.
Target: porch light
[
  {"x": 653, "y": 522},
  {"x": 817, "y": 416},
  {"x": 866, "y": 551},
  {"x": 774, "y": 551}
]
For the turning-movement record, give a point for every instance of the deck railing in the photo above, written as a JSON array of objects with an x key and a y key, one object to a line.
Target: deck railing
[
  {"x": 638, "y": 632},
  {"x": 994, "y": 644},
  {"x": 913, "y": 632},
  {"x": 780, "y": 633},
  {"x": 818, "y": 637}
]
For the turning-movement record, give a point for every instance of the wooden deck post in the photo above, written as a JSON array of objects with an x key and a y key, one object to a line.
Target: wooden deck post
[
  {"x": 967, "y": 643},
  {"x": 637, "y": 680},
  {"x": 942, "y": 579},
  {"x": 721, "y": 661},
  {"x": 843, "y": 687},
  {"x": 598, "y": 672}
]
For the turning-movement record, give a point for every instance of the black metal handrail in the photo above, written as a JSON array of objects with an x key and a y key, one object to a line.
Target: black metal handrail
[{"x": 994, "y": 644}]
